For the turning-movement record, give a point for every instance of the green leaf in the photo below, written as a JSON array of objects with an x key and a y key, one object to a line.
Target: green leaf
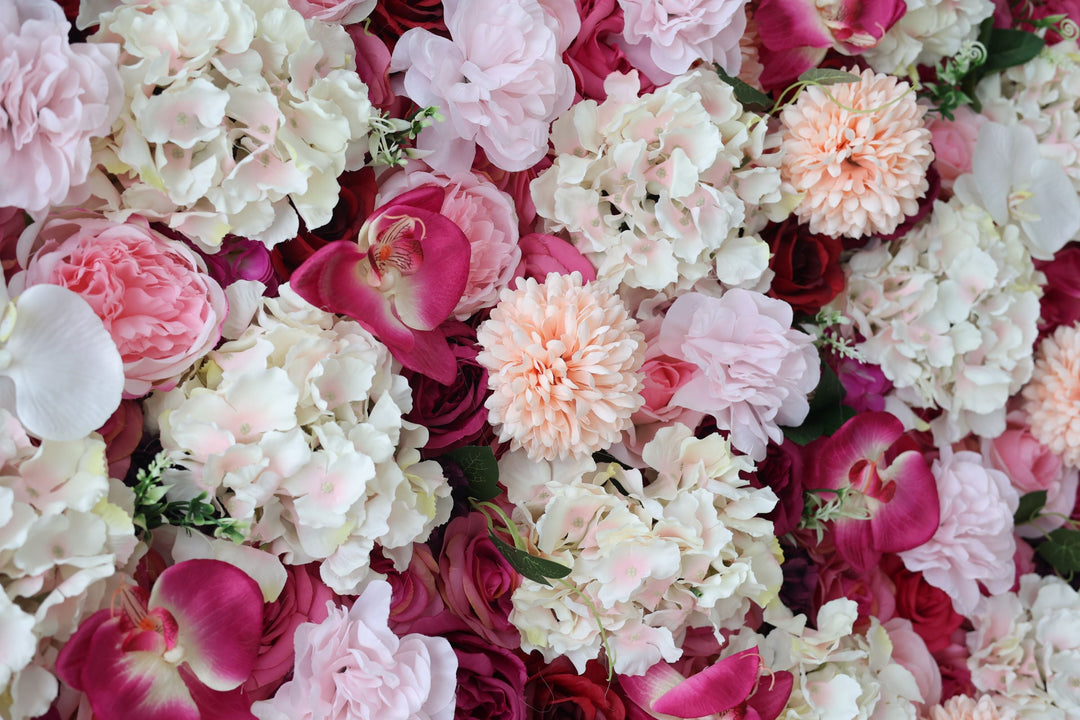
[
  {"x": 480, "y": 468},
  {"x": 827, "y": 76},
  {"x": 535, "y": 568},
  {"x": 1030, "y": 505},
  {"x": 750, "y": 97},
  {"x": 1062, "y": 550},
  {"x": 1008, "y": 48},
  {"x": 827, "y": 412}
]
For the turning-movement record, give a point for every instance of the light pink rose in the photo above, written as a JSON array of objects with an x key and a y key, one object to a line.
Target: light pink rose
[
  {"x": 663, "y": 38},
  {"x": 954, "y": 143},
  {"x": 344, "y": 12},
  {"x": 501, "y": 96},
  {"x": 162, "y": 311},
  {"x": 54, "y": 97},
  {"x": 753, "y": 370},
  {"x": 352, "y": 667},
  {"x": 486, "y": 215}
]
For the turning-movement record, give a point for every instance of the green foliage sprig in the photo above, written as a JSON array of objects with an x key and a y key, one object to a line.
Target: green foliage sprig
[{"x": 152, "y": 509}]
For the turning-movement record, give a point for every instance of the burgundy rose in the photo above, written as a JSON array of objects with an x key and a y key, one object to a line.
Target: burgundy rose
[
  {"x": 490, "y": 679},
  {"x": 865, "y": 385},
  {"x": 807, "y": 266},
  {"x": 477, "y": 582},
  {"x": 595, "y": 54},
  {"x": 871, "y": 590},
  {"x": 303, "y": 599},
  {"x": 453, "y": 414},
  {"x": 929, "y": 609},
  {"x": 1060, "y": 304},
  {"x": 555, "y": 691},
  {"x": 800, "y": 581},
  {"x": 240, "y": 259},
  {"x": 782, "y": 470},
  {"x": 391, "y": 18},
  {"x": 415, "y": 603}
]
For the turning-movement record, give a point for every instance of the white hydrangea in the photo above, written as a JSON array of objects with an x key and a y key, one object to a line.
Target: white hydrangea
[
  {"x": 1025, "y": 649},
  {"x": 239, "y": 115},
  {"x": 949, "y": 313},
  {"x": 664, "y": 190},
  {"x": 929, "y": 31},
  {"x": 296, "y": 428},
  {"x": 65, "y": 528},
  {"x": 651, "y": 556}
]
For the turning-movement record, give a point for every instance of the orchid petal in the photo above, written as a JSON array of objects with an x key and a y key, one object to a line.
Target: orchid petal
[
  {"x": 718, "y": 688},
  {"x": 912, "y": 515},
  {"x": 425, "y": 197},
  {"x": 424, "y": 299},
  {"x": 67, "y": 372},
  {"x": 853, "y": 538},
  {"x": 215, "y": 705},
  {"x": 218, "y": 612},
  {"x": 646, "y": 689},
  {"x": 430, "y": 355},
  {"x": 772, "y": 695},
  {"x": 789, "y": 24},
  {"x": 864, "y": 437},
  {"x": 75, "y": 654}
]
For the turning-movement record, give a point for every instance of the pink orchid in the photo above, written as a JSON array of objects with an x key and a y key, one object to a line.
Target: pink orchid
[
  {"x": 730, "y": 689},
  {"x": 172, "y": 654},
  {"x": 889, "y": 496},
  {"x": 400, "y": 281}
]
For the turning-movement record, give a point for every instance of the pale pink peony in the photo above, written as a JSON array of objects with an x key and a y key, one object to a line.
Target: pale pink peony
[
  {"x": 54, "y": 97},
  {"x": 563, "y": 362},
  {"x": 754, "y": 370},
  {"x": 974, "y": 544},
  {"x": 962, "y": 707},
  {"x": 486, "y": 216},
  {"x": 1051, "y": 394},
  {"x": 499, "y": 80},
  {"x": 352, "y": 667},
  {"x": 663, "y": 38},
  {"x": 160, "y": 307},
  {"x": 860, "y": 172},
  {"x": 344, "y": 12}
]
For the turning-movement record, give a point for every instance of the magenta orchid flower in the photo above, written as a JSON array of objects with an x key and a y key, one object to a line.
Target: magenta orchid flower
[
  {"x": 729, "y": 689},
  {"x": 172, "y": 654},
  {"x": 400, "y": 281},
  {"x": 889, "y": 495}
]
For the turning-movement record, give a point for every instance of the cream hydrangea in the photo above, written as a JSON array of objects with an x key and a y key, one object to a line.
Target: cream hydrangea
[
  {"x": 663, "y": 190},
  {"x": 682, "y": 546},
  {"x": 949, "y": 313},
  {"x": 239, "y": 116},
  {"x": 296, "y": 428},
  {"x": 929, "y": 31},
  {"x": 65, "y": 528}
]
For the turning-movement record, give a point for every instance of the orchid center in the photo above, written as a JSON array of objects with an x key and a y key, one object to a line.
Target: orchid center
[
  {"x": 396, "y": 250},
  {"x": 137, "y": 619}
]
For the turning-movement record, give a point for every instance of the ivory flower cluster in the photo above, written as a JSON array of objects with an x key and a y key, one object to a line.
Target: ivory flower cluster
[
  {"x": 65, "y": 528},
  {"x": 684, "y": 546},
  {"x": 664, "y": 190},
  {"x": 949, "y": 314},
  {"x": 929, "y": 31},
  {"x": 296, "y": 428},
  {"x": 238, "y": 118}
]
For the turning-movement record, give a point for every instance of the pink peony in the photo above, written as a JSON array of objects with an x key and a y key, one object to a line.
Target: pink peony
[
  {"x": 499, "y": 80},
  {"x": 344, "y": 12},
  {"x": 754, "y": 370},
  {"x": 352, "y": 667},
  {"x": 162, "y": 311},
  {"x": 54, "y": 97}
]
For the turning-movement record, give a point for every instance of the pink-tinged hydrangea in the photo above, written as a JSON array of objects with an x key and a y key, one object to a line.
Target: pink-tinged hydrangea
[
  {"x": 754, "y": 371},
  {"x": 663, "y": 38},
  {"x": 498, "y": 79},
  {"x": 157, "y": 302},
  {"x": 563, "y": 362},
  {"x": 1049, "y": 399},
  {"x": 974, "y": 543},
  {"x": 54, "y": 97},
  {"x": 858, "y": 152},
  {"x": 352, "y": 666},
  {"x": 345, "y": 12}
]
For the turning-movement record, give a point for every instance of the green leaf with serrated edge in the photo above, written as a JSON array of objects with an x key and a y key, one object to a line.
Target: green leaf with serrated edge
[
  {"x": 1008, "y": 48},
  {"x": 1030, "y": 505},
  {"x": 750, "y": 97},
  {"x": 535, "y": 568},
  {"x": 1062, "y": 550},
  {"x": 480, "y": 468},
  {"x": 827, "y": 76}
]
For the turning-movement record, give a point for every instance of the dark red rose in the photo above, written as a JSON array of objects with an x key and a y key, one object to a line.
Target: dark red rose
[
  {"x": 415, "y": 603},
  {"x": 807, "y": 266},
  {"x": 1060, "y": 304},
  {"x": 391, "y": 18},
  {"x": 782, "y": 470},
  {"x": 556, "y": 691},
  {"x": 929, "y": 609},
  {"x": 595, "y": 54},
  {"x": 490, "y": 679}
]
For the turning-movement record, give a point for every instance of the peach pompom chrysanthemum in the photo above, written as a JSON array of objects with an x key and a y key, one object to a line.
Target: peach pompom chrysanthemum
[
  {"x": 1052, "y": 396},
  {"x": 962, "y": 707},
  {"x": 563, "y": 362},
  {"x": 860, "y": 172}
]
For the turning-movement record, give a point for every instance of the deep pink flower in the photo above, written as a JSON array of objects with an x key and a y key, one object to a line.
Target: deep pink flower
[
  {"x": 595, "y": 52},
  {"x": 400, "y": 282},
  {"x": 542, "y": 254}
]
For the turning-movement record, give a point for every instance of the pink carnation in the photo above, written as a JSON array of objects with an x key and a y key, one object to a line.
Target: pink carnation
[
  {"x": 162, "y": 311},
  {"x": 754, "y": 370},
  {"x": 54, "y": 97},
  {"x": 352, "y": 667}
]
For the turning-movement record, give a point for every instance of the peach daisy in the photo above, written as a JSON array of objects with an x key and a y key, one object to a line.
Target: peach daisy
[
  {"x": 1052, "y": 397},
  {"x": 563, "y": 361},
  {"x": 858, "y": 152}
]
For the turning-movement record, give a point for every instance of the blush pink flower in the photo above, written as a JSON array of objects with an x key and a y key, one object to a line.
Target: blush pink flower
[
  {"x": 352, "y": 667},
  {"x": 861, "y": 172},
  {"x": 1050, "y": 396},
  {"x": 954, "y": 143},
  {"x": 544, "y": 254},
  {"x": 962, "y": 707},
  {"x": 54, "y": 97},
  {"x": 754, "y": 370},
  {"x": 563, "y": 362},
  {"x": 345, "y": 12},
  {"x": 160, "y": 307}
]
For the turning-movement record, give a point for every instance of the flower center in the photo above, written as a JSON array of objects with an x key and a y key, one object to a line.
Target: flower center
[{"x": 398, "y": 249}]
